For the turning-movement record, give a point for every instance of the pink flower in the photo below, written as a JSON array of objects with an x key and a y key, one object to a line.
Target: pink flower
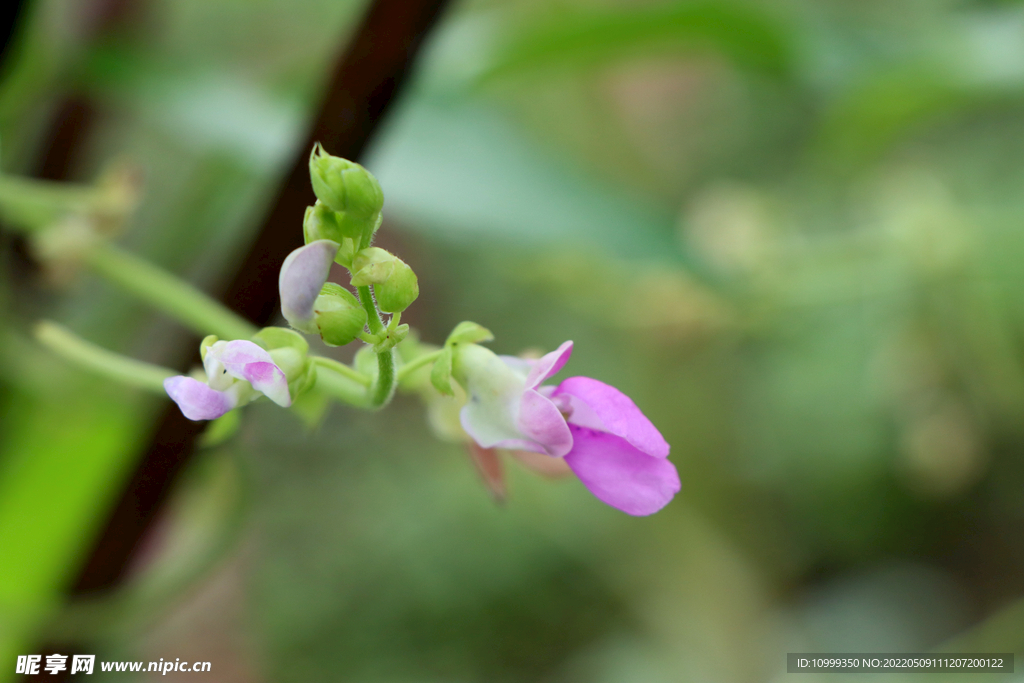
[
  {"x": 603, "y": 437},
  {"x": 237, "y": 372}
]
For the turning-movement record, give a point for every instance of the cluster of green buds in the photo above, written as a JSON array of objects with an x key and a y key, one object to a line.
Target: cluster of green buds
[{"x": 339, "y": 228}]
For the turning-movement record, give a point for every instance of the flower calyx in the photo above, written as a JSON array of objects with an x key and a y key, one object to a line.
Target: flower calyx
[{"x": 465, "y": 333}]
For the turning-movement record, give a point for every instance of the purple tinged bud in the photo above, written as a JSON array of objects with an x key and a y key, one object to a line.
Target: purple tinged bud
[
  {"x": 303, "y": 275},
  {"x": 196, "y": 400}
]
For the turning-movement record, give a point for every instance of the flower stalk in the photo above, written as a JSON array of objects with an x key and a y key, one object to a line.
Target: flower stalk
[
  {"x": 417, "y": 363},
  {"x": 70, "y": 346},
  {"x": 166, "y": 292},
  {"x": 384, "y": 385}
]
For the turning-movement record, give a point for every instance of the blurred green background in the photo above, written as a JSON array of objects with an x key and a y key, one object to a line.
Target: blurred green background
[{"x": 790, "y": 230}]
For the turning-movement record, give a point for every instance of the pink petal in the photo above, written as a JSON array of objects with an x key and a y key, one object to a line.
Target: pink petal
[
  {"x": 269, "y": 380},
  {"x": 494, "y": 433},
  {"x": 236, "y": 354},
  {"x": 494, "y": 393},
  {"x": 520, "y": 366},
  {"x": 540, "y": 420},
  {"x": 619, "y": 474},
  {"x": 196, "y": 400},
  {"x": 548, "y": 365},
  {"x": 247, "y": 361},
  {"x": 303, "y": 274},
  {"x": 544, "y": 465},
  {"x": 608, "y": 409}
]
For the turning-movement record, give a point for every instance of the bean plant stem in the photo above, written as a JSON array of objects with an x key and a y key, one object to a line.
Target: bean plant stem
[
  {"x": 417, "y": 363},
  {"x": 340, "y": 386},
  {"x": 342, "y": 369},
  {"x": 173, "y": 296},
  {"x": 112, "y": 365},
  {"x": 384, "y": 386}
]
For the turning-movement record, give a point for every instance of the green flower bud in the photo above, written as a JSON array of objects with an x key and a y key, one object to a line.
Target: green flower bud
[
  {"x": 339, "y": 315},
  {"x": 321, "y": 223},
  {"x": 347, "y": 188},
  {"x": 393, "y": 281}
]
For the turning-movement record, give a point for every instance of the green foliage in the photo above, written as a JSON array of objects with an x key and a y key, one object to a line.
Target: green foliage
[{"x": 742, "y": 33}]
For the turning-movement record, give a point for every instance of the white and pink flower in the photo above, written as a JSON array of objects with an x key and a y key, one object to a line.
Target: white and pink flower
[
  {"x": 237, "y": 372},
  {"x": 606, "y": 441}
]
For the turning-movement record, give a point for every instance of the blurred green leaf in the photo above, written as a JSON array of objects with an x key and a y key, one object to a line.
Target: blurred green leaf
[{"x": 743, "y": 33}]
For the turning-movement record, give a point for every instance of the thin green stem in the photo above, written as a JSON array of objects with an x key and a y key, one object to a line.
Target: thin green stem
[
  {"x": 417, "y": 363},
  {"x": 120, "y": 368},
  {"x": 341, "y": 387},
  {"x": 372, "y": 316},
  {"x": 173, "y": 296},
  {"x": 384, "y": 386},
  {"x": 342, "y": 369},
  {"x": 31, "y": 204}
]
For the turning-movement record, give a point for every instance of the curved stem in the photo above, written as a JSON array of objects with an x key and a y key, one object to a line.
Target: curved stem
[
  {"x": 341, "y": 387},
  {"x": 171, "y": 295},
  {"x": 342, "y": 369},
  {"x": 417, "y": 363},
  {"x": 67, "y": 344},
  {"x": 384, "y": 386}
]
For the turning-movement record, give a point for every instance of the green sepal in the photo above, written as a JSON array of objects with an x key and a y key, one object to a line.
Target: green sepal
[
  {"x": 323, "y": 223},
  {"x": 207, "y": 342},
  {"x": 346, "y": 253},
  {"x": 468, "y": 332},
  {"x": 280, "y": 337},
  {"x": 338, "y": 315},
  {"x": 392, "y": 338},
  {"x": 441, "y": 373}
]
